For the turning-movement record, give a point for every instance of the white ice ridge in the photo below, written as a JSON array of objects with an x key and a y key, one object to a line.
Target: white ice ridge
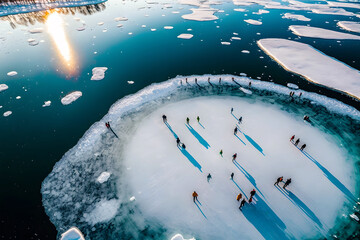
[
  {"x": 296, "y": 17},
  {"x": 98, "y": 73},
  {"x": 185, "y": 36},
  {"x": 180, "y": 237},
  {"x": 350, "y": 26},
  {"x": 253, "y": 22},
  {"x": 261, "y": 144},
  {"x": 314, "y": 32},
  {"x": 3, "y": 87},
  {"x": 71, "y": 97},
  {"x": 72, "y": 234},
  {"x": 312, "y": 64}
]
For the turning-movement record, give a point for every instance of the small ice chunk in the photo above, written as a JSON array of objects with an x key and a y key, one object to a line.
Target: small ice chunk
[
  {"x": 18, "y": 97},
  {"x": 36, "y": 30},
  {"x": 34, "y": 43},
  {"x": 244, "y": 90},
  {"x": 119, "y": 25},
  {"x": 185, "y": 36},
  {"x": 132, "y": 198},
  {"x": 315, "y": 32},
  {"x": 101, "y": 23},
  {"x": 225, "y": 43},
  {"x": 31, "y": 40},
  {"x": 253, "y": 22},
  {"x": 7, "y": 113},
  {"x": 239, "y": 10},
  {"x": 118, "y": 19},
  {"x": 296, "y": 17},
  {"x": 153, "y": 29},
  {"x": 130, "y": 33},
  {"x": 143, "y": 26},
  {"x": 130, "y": 82},
  {"x": 235, "y": 38},
  {"x": 98, "y": 73},
  {"x": 189, "y": 29},
  {"x": 12, "y": 73},
  {"x": 168, "y": 27},
  {"x": 71, "y": 97},
  {"x": 46, "y": 104},
  {"x": 82, "y": 28},
  {"x": 104, "y": 176},
  {"x": 243, "y": 74},
  {"x": 353, "y": 216},
  {"x": 245, "y": 51},
  {"x": 292, "y": 86}
]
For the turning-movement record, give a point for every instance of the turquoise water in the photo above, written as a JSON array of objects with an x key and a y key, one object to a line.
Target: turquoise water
[{"x": 33, "y": 138}]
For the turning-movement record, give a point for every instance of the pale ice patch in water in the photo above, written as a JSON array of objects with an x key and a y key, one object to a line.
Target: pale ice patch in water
[
  {"x": 312, "y": 64},
  {"x": 12, "y": 73},
  {"x": 168, "y": 27},
  {"x": 3, "y": 87},
  {"x": 98, "y": 73},
  {"x": 350, "y": 26},
  {"x": 101, "y": 23},
  {"x": 7, "y": 113},
  {"x": 253, "y": 22},
  {"x": 261, "y": 11},
  {"x": 103, "y": 211},
  {"x": 130, "y": 82},
  {"x": 239, "y": 9},
  {"x": 18, "y": 97},
  {"x": 71, "y": 97},
  {"x": 292, "y": 86},
  {"x": 46, "y": 104},
  {"x": 245, "y": 51},
  {"x": 104, "y": 176},
  {"x": 36, "y": 30},
  {"x": 33, "y": 43},
  {"x": 225, "y": 43},
  {"x": 314, "y": 32},
  {"x": 118, "y": 19},
  {"x": 201, "y": 14},
  {"x": 296, "y": 17},
  {"x": 235, "y": 38},
  {"x": 185, "y": 36}
]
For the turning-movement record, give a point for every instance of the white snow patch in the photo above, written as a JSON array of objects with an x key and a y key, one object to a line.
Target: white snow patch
[
  {"x": 296, "y": 17},
  {"x": 292, "y": 86},
  {"x": 46, "y": 104},
  {"x": 18, "y": 97},
  {"x": 314, "y": 32},
  {"x": 7, "y": 113},
  {"x": 350, "y": 26},
  {"x": 103, "y": 211},
  {"x": 225, "y": 43},
  {"x": 245, "y": 51},
  {"x": 118, "y": 19},
  {"x": 235, "y": 38},
  {"x": 185, "y": 36},
  {"x": 36, "y": 30},
  {"x": 3, "y": 87},
  {"x": 12, "y": 73},
  {"x": 244, "y": 90},
  {"x": 312, "y": 64},
  {"x": 130, "y": 82},
  {"x": 71, "y": 97},
  {"x": 104, "y": 176},
  {"x": 253, "y": 22},
  {"x": 168, "y": 27},
  {"x": 98, "y": 73}
]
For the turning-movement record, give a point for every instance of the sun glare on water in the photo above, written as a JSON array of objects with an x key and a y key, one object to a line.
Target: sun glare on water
[{"x": 55, "y": 28}]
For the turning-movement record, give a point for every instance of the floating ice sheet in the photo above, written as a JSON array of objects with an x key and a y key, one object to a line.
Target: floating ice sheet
[
  {"x": 98, "y": 73},
  {"x": 185, "y": 36},
  {"x": 12, "y": 73},
  {"x": 314, "y": 32},
  {"x": 7, "y": 113},
  {"x": 296, "y": 17},
  {"x": 3, "y": 87},
  {"x": 71, "y": 97},
  {"x": 350, "y": 26},
  {"x": 253, "y": 22}
]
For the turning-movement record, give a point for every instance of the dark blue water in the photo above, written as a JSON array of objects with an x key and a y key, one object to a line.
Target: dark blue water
[{"x": 33, "y": 138}]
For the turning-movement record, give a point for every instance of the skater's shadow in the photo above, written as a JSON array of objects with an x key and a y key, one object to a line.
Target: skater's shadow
[
  {"x": 190, "y": 158},
  {"x": 240, "y": 139},
  {"x": 198, "y": 136},
  {"x": 201, "y": 125},
  {"x": 301, "y": 205},
  {"x": 239, "y": 188},
  {"x": 265, "y": 220},
  {"x": 248, "y": 176},
  {"x": 168, "y": 125},
  {"x": 252, "y": 141},
  {"x": 331, "y": 177},
  {"x": 196, "y": 203}
]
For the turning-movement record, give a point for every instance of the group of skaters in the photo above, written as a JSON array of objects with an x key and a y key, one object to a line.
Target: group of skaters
[
  {"x": 296, "y": 143},
  {"x": 280, "y": 179},
  {"x": 196, "y": 81},
  {"x": 292, "y": 93}
]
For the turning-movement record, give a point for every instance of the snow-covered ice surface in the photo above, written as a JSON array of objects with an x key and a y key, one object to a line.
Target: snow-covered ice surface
[
  {"x": 162, "y": 184},
  {"x": 314, "y": 32},
  {"x": 201, "y": 14},
  {"x": 71, "y": 97},
  {"x": 350, "y": 26},
  {"x": 296, "y": 17},
  {"x": 312, "y": 64}
]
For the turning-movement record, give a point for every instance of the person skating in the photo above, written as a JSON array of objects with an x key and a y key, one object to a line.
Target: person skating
[
  {"x": 231, "y": 111},
  {"x": 198, "y": 118},
  {"x": 278, "y": 180},
  {"x": 107, "y": 124},
  {"x": 164, "y": 118},
  {"x": 208, "y": 177},
  {"x": 292, "y": 138},
  {"x": 186, "y": 80},
  {"x": 177, "y": 141},
  {"x": 240, "y": 119},
  {"x": 232, "y": 176},
  {"x": 250, "y": 200},
  {"x": 300, "y": 94},
  {"x": 287, "y": 183},
  {"x": 183, "y": 146},
  {"x": 302, "y": 147},
  {"x": 249, "y": 84},
  {"x": 219, "y": 80},
  {"x": 221, "y": 152},
  {"x": 195, "y": 195},
  {"x": 235, "y": 130},
  {"x": 297, "y": 141},
  {"x": 187, "y": 120},
  {"x": 238, "y": 197},
  {"x": 208, "y": 80},
  {"x": 242, "y": 203},
  {"x": 252, "y": 193},
  {"x": 196, "y": 80},
  {"x": 234, "y": 157}
]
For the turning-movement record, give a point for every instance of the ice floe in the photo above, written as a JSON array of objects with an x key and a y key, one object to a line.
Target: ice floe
[
  {"x": 168, "y": 27},
  {"x": 104, "y": 176},
  {"x": 315, "y": 32},
  {"x": 72, "y": 234},
  {"x": 240, "y": 10},
  {"x": 103, "y": 211},
  {"x": 350, "y": 26},
  {"x": 296, "y": 17},
  {"x": 253, "y": 22},
  {"x": 98, "y": 73},
  {"x": 71, "y": 97},
  {"x": 185, "y": 36},
  {"x": 46, "y": 104},
  {"x": 292, "y": 86},
  {"x": 130, "y": 82},
  {"x": 245, "y": 51},
  {"x": 235, "y": 38},
  {"x": 201, "y": 14},
  {"x": 312, "y": 64},
  {"x": 7, "y": 113},
  {"x": 3, "y": 87},
  {"x": 247, "y": 91},
  {"x": 12, "y": 73},
  {"x": 118, "y": 19},
  {"x": 225, "y": 43},
  {"x": 36, "y": 30}
]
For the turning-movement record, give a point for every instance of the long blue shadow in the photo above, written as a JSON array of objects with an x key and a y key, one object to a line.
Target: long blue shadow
[
  {"x": 114, "y": 132},
  {"x": 201, "y": 125},
  {"x": 240, "y": 139},
  {"x": 191, "y": 158},
  {"x": 200, "y": 210},
  {"x": 265, "y": 220},
  {"x": 248, "y": 176},
  {"x": 198, "y": 136},
  {"x": 168, "y": 125},
  {"x": 331, "y": 177},
  {"x": 199, "y": 202},
  {"x": 301, "y": 205},
  {"x": 240, "y": 189},
  {"x": 252, "y": 141}
]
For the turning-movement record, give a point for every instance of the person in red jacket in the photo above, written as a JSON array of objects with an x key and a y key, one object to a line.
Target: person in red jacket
[{"x": 195, "y": 195}]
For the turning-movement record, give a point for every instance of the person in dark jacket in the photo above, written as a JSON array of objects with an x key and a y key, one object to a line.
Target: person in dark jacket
[
  {"x": 278, "y": 180},
  {"x": 252, "y": 193},
  {"x": 242, "y": 203},
  {"x": 297, "y": 141},
  {"x": 302, "y": 147},
  {"x": 164, "y": 118},
  {"x": 287, "y": 183}
]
